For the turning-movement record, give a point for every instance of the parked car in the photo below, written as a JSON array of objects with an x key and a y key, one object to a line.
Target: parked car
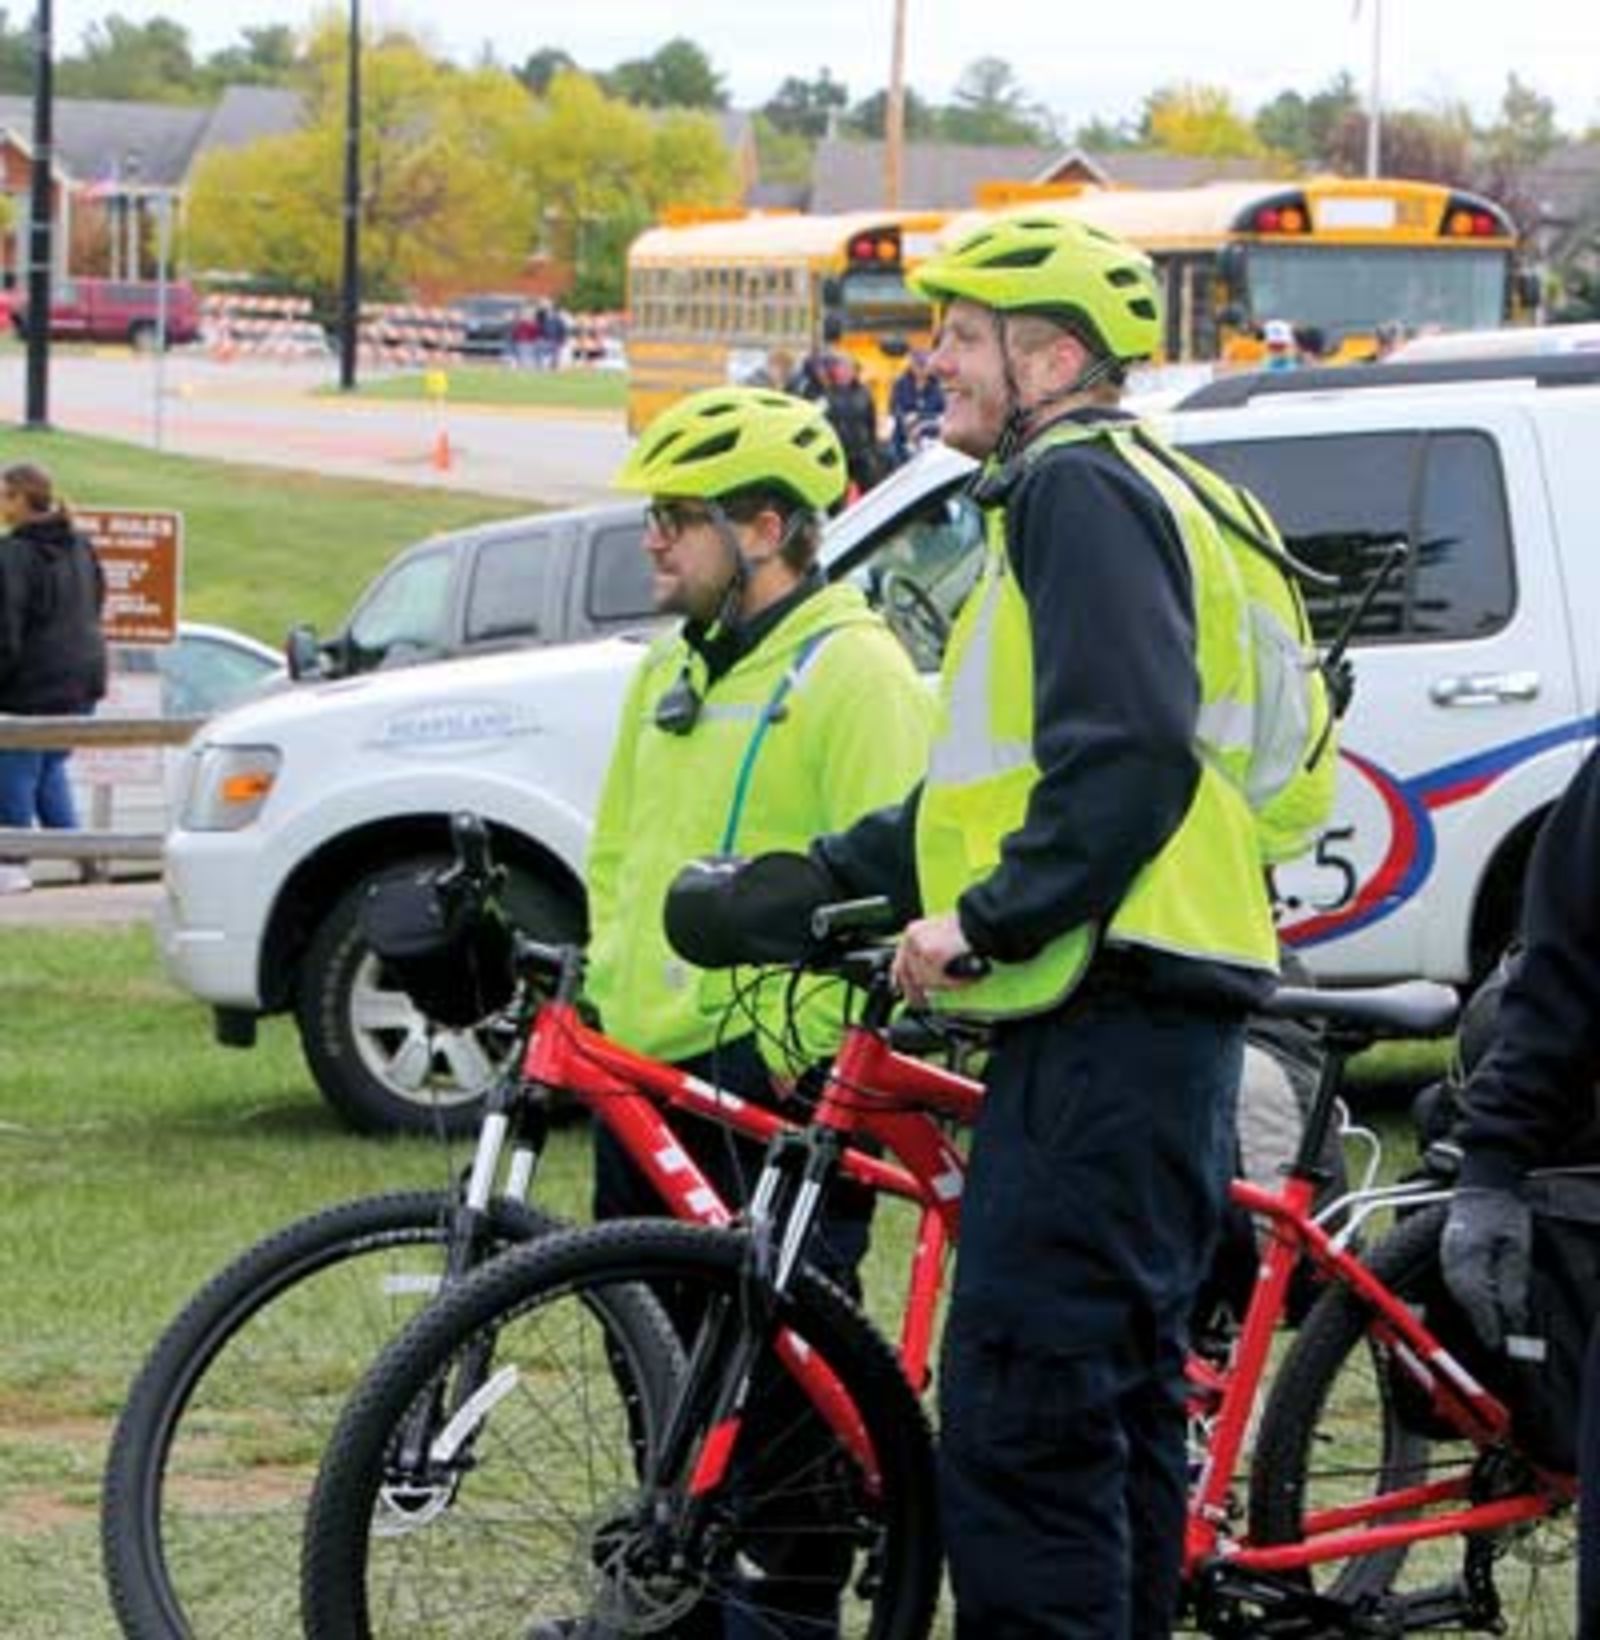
[
  {"x": 206, "y": 671},
  {"x": 543, "y": 578},
  {"x": 486, "y": 321},
  {"x": 1476, "y": 696},
  {"x": 116, "y": 310},
  {"x": 358, "y": 775}
]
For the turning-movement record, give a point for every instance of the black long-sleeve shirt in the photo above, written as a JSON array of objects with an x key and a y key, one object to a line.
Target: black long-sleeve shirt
[
  {"x": 1533, "y": 1094},
  {"x": 1102, "y": 567}
]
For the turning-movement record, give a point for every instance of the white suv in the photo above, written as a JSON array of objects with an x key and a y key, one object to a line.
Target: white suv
[{"x": 1476, "y": 695}]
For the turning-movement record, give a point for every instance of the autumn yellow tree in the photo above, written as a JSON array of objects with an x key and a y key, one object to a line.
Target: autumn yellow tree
[
  {"x": 601, "y": 170},
  {"x": 1201, "y": 120},
  {"x": 464, "y": 172}
]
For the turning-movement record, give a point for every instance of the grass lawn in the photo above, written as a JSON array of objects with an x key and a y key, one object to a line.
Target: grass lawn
[
  {"x": 262, "y": 548},
  {"x": 500, "y": 384},
  {"x": 137, "y": 1158}
]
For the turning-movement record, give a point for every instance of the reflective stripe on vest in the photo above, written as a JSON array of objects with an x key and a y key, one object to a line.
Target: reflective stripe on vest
[{"x": 1203, "y": 894}]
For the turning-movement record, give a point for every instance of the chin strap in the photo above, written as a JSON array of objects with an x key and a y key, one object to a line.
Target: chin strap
[
  {"x": 727, "y": 618},
  {"x": 1020, "y": 417}
]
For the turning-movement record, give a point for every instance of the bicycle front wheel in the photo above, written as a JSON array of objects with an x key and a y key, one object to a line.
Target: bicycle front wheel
[
  {"x": 543, "y": 1511},
  {"x": 213, "y": 1457},
  {"x": 1344, "y": 1424}
]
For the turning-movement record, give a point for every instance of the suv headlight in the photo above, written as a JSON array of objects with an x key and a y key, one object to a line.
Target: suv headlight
[{"x": 228, "y": 786}]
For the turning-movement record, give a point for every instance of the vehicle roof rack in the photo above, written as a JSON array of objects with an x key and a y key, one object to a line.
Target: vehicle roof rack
[{"x": 1542, "y": 369}]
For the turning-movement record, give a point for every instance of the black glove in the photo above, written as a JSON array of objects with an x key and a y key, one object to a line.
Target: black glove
[{"x": 1485, "y": 1253}]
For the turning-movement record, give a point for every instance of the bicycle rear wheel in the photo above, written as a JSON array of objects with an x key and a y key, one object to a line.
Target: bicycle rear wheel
[
  {"x": 546, "y": 1517},
  {"x": 1343, "y": 1423},
  {"x": 215, "y": 1452}
]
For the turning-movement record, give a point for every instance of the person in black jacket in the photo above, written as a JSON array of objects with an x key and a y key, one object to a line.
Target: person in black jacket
[
  {"x": 1073, "y": 773},
  {"x": 1528, "y": 1102},
  {"x": 52, "y": 650},
  {"x": 855, "y": 420}
]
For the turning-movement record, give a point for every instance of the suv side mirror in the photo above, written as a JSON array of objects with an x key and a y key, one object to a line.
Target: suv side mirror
[{"x": 302, "y": 653}]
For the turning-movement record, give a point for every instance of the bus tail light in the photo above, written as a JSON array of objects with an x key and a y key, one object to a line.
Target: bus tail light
[
  {"x": 1285, "y": 214},
  {"x": 1468, "y": 218},
  {"x": 876, "y": 248}
]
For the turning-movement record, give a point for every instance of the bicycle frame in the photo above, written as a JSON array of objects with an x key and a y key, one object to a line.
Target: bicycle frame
[
  {"x": 876, "y": 1093},
  {"x": 1230, "y": 1397}
]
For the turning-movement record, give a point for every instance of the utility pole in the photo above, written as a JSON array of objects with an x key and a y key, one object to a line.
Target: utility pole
[
  {"x": 1375, "y": 106},
  {"x": 894, "y": 114},
  {"x": 350, "y": 287},
  {"x": 39, "y": 221}
]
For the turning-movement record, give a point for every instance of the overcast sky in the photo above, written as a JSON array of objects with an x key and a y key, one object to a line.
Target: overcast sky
[{"x": 1079, "y": 59}]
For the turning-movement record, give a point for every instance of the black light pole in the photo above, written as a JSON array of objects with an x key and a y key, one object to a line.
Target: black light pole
[
  {"x": 39, "y": 257},
  {"x": 350, "y": 290}
]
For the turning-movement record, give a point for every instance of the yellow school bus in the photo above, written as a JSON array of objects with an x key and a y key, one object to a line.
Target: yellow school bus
[
  {"x": 1338, "y": 255},
  {"x": 709, "y": 301}
]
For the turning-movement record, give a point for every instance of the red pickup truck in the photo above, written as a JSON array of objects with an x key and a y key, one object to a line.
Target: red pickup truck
[{"x": 115, "y": 310}]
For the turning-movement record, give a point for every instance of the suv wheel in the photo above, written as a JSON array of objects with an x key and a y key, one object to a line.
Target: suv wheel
[
  {"x": 142, "y": 336},
  {"x": 378, "y": 1060}
]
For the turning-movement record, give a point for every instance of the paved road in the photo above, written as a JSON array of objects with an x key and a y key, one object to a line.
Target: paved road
[
  {"x": 261, "y": 411},
  {"x": 61, "y": 905}
]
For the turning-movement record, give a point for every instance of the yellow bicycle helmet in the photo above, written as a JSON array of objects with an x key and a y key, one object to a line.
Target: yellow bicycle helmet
[
  {"x": 731, "y": 438},
  {"x": 1039, "y": 262}
]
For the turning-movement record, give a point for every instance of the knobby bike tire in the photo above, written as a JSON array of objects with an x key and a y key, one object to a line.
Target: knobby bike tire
[
  {"x": 214, "y": 1453},
  {"x": 524, "y": 1558},
  {"x": 1338, "y": 1393}
]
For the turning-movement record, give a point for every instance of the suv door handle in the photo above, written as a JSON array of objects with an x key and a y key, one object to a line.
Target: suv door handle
[{"x": 1484, "y": 688}]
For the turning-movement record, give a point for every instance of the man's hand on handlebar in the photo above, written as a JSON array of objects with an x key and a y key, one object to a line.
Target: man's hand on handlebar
[{"x": 934, "y": 956}]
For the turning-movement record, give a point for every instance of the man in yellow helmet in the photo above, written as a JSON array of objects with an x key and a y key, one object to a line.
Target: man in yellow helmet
[
  {"x": 781, "y": 707},
  {"x": 1082, "y": 827}
]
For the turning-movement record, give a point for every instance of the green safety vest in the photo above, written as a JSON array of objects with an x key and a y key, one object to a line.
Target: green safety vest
[
  {"x": 825, "y": 721},
  {"x": 1203, "y": 894}
]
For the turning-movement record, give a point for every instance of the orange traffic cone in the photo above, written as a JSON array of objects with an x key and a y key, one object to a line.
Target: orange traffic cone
[{"x": 441, "y": 451}]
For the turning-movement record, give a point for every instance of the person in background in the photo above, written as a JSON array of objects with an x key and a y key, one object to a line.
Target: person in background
[
  {"x": 1387, "y": 337},
  {"x": 527, "y": 332},
  {"x": 810, "y": 379},
  {"x": 1076, "y": 830},
  {"x": 1282, "y": 354},
  {"x": 739, "y": 481},
  {"x": 916, "y": 407},
  {"x": 52, "y": 648},
  {"x": 855, "y": 420},
  {"x": 1528, "y": 1103}
]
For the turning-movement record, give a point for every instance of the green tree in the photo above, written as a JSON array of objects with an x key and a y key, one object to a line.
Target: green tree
[
  {"x": 16, "y": 55},
  {"x": 1302, "y": 127},
  {"x": 539, "y": 69},
  {"x": 266, "y": 56},
  {"x": 126, "y": 61},
  {"x": 1101, "y": 136},
  {"x": 802, "y": 108},
  {"x": 600, "y": 170},
  {"x": 782, "y": 156},
  {"x": 869, "y": 117},
  {"x": 989, "y": 105},
  {"x": 1198, "y": 119},
  {"x": 679, "y": 75}
]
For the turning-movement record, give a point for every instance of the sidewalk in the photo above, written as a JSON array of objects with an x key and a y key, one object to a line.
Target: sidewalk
[{"x": 81, "y": 905}]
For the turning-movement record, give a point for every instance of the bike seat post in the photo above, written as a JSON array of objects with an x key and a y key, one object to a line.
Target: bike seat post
[{"x": 1339, "y": 1042}]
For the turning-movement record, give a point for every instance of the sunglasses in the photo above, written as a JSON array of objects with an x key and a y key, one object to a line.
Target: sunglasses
[{"x": 669, "y": 519}]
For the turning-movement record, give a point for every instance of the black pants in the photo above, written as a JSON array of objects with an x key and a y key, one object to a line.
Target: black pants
[
  {"x": 794, "y": 1536},
  {"x": 1099, "y": 1168}
]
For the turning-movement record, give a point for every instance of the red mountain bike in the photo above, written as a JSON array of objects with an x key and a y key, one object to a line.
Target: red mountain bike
[
  {"x": 213, "y": 1456},
  {"x": 444, "y": 1505}
]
